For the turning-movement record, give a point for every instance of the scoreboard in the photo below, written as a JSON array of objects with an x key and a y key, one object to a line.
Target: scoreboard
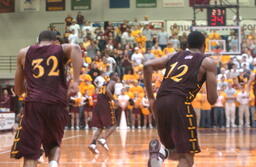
[{"x": 216, "y": 16}]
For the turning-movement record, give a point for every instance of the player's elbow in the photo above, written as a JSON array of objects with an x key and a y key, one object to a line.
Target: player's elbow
[
  {"x": 18, "y": 91},
  {"x": 212, "y": 99}
]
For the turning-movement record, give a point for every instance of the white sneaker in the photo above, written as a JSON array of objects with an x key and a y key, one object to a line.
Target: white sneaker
[
  {"x": 41, "y": 160},
  {"x": 104, "y": 144},
  {"x": 150, "y": 126},
  {"x": 139, "y": 127},
  {"x": 93, "y": 149}
]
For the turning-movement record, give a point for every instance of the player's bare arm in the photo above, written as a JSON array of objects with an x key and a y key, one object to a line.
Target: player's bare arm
[
  {"x": 211, "y": 82},
  {"x": 110, "y": 88},
  {"x": 73, "y": 52},
  {"x": 148, "y": 69},
  {"x": 19, "y": 88}
]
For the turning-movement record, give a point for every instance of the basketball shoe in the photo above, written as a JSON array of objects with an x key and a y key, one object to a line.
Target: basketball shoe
[
  {"x": 103, "y": 143},
  {"x": 93, "y": 149},
  {"x": 157, "y": 154}
]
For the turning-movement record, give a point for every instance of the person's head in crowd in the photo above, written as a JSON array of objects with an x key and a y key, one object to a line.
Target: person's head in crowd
[
  {"x": 114, "y": 76},
  {"x": 148, "y": 50},
  {"x": 222, "y": 79},
  {"x": 234, "y": 67},
  {"x": 94, "y": 66},
  {"x": 136, "y": 50},
  {"x": 5, "y": 93},
  {"x": 196, "y": 40},
  {"x": 169, "y": 44},
  {"x": 73, "y": 22}
]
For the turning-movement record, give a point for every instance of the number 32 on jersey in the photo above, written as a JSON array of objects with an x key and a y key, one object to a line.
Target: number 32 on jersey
[
  {"x": 36, "y": 64},
  {"x": 177, "y": 77}
]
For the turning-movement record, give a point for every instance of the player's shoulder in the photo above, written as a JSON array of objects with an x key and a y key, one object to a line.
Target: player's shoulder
[
  {"x": 208, "y": 62},
  {"x": 24, "y": 50}
]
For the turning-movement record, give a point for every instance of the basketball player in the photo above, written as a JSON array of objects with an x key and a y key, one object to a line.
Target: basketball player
[
  {"x": 103, "y": 115},
  {"x": 42, "y": 66},
  {"x": 186, "y": 71}
]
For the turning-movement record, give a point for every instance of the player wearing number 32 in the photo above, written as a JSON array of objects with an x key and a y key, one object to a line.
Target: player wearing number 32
[
  {"x": 186, "y": 71},
  {"x": 45, "y": 116}
]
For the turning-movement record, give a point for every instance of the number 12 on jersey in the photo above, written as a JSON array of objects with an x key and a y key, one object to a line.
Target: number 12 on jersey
[{"x": 177, "y": 77}]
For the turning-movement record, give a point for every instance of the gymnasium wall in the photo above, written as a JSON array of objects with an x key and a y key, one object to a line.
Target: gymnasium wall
[{"x": 20, "y": 28}]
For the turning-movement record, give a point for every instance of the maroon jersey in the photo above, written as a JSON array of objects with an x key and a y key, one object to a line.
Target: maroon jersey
[
  {"x": 45, "y": 75},
  {"x": 102, "y": 94},
  {"x": 181, "y": 75}
]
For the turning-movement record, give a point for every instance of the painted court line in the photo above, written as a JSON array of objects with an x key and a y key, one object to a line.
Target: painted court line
[{"x": 67, "y": 138}]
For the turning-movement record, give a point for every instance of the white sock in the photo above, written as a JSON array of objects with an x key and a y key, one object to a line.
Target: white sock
[
  {"x": 53, "y": 163},
  {"x": 163, "y": 151}
]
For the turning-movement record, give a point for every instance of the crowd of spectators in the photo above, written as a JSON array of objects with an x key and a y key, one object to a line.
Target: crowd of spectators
[{"x": 125, "y": 47}]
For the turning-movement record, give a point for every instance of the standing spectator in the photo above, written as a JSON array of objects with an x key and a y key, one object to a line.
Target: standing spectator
[
  {"x": 99, "y": 80},
  {"x": 219, "y": 112},
  {"x": 94, "y": 72},
  {"x": 73, "y": 38},
  {"x": 162, "y": 38},
  {"x": 53, "y": 28},
  {"x": 123, "y": 102},
  {"x": 169, "y": 49},
  {"x": 197, "y": 107},
  {"x": 92, "y": 50},
  {"x": 175, "y": 42},
  {"x": 80, "y": 19},
  {"x": 68, "y": 20},
  {"x": 110, "y": 61},
  {"x": 243, "y": 99},
  {"x": 230, "y": 105},
  {"x": 205, "y": 110},
  {"x": 137, "y": 58},
  {"x": 183, "y": 41},
  {"x": 148, "y": 55},
  {"x": 126, "y": 64},
  {"x": 148, "y": 33},
  {"x": 75, "y": 27},
  {"x": 5, "y": 101}
]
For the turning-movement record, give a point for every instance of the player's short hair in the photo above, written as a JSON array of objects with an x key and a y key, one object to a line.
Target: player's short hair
[
  {"x": 47, "y": 36},
  {"x": 196, "y": 40}
]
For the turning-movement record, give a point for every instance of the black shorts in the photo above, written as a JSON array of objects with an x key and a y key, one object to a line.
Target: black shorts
[
  {"x": 176, "y": 124},
  {"x": 41, "y": 125}
]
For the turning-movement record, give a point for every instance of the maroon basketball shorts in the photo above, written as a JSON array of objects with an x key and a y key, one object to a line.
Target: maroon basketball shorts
[
  {"x": 41, "y": 125},
  {"x": 103, "y": 115},
  {"x": 176, "y": 124}
]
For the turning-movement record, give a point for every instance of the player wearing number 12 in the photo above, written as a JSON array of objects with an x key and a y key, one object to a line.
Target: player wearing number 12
[
  {"x": 186, "y": 71},
  {"x": 45, "y": 115}
]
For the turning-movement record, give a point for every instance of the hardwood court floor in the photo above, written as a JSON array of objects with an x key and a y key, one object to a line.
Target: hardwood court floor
[{"x": 220, "y": 148}]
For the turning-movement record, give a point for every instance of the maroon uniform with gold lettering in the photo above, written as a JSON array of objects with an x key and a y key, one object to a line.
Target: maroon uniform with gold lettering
[
  {"x": 175, "y": 116},
  {"x": 45, "y": 114},
  {"x": 103, "y": 114}
]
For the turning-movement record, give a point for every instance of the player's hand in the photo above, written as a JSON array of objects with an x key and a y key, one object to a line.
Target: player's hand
[{"x": 73, "y": 88}]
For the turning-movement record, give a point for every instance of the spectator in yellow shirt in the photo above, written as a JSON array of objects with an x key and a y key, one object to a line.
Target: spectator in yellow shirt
[{"x": 169, "y": 49}]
